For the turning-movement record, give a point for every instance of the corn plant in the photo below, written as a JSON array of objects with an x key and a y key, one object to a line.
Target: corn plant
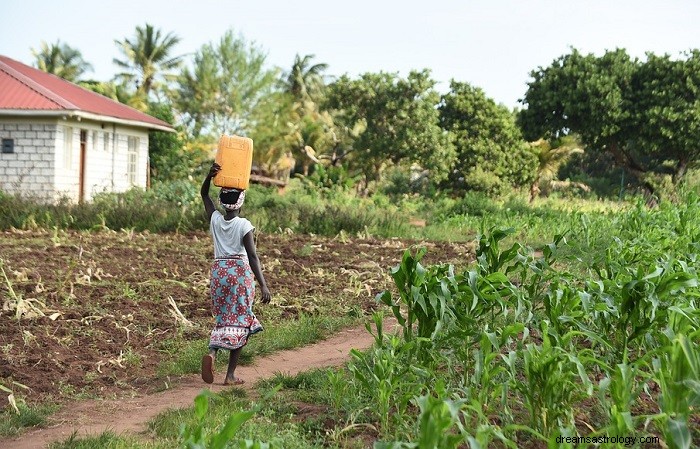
[
  {"x": 549, "y": 383},
  {"x": 490, "y": 258},
  {"x": 677, "y": 372},
  {"x": 196, "y": 437},
  {"x": 618, "y": 392},
  {"x": 386, "y": 376},
  {"x": 436, "y": 421},
  {"x": 631, "y": 302},
  {"x": 490, "y": 367}
]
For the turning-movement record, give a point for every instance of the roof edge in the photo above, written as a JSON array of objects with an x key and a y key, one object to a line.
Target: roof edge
[{"x": 82, "y": 114}]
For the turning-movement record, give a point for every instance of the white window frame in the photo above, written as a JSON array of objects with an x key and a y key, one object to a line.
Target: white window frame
[
  {"x": 67, "y": 147},
  {"x": 132, "y": 159}
]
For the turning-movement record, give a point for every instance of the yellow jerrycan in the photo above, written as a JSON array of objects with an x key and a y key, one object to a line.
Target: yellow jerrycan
[{"x": 235, "y": 156}]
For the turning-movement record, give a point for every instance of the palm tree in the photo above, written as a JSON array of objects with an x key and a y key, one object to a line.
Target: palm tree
[
  {"x": 551, "y": 159},
  {"x": 147, "y": 56},
  {"x": 61, "y": 60},
  {"x": 305, "y": 81}
]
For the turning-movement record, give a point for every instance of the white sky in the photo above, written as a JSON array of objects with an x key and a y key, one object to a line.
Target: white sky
[{"x": 492, "y": 44}]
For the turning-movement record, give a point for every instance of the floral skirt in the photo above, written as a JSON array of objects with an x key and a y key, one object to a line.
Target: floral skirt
[{"x": 232, "y": 290}]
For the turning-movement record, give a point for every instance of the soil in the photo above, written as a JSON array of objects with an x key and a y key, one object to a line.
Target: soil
[
  {"x": 96, "y": 321},
  {"x": 93, "y": 417}
]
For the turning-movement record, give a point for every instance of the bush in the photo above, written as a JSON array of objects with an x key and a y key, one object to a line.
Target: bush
[{"x": 476, "y": 204}]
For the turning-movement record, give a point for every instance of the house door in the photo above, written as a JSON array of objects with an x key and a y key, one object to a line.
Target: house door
[{"x": 83, "y": 151}]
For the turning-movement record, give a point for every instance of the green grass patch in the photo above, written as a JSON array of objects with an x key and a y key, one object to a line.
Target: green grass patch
[
  {"x": 108, "y": 440},
  {"x": 12, "y": 424},
  {"x": 261, "y": 427},
  {"x": 185, "y": 356}
]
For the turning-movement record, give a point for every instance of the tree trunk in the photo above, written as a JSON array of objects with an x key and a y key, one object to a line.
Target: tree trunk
[
  {"x": 625, "y": 161},
  {"x": 534, "y": 189},
  {"x": 679, "y": 171}
]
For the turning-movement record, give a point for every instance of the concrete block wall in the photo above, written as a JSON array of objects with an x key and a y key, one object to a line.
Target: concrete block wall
[
  {"x": 40, "y": 167},
  {"x": 30, "y": 169}
]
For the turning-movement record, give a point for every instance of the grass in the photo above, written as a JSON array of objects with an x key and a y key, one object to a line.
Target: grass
[
  {"x": 262, "y": 427},
  {"x": 280, "y": 418},
  {"x": 13, "y": 424},
  {"x": 186, "y": 356},
  {"x": 107, "y": 440},
  {"x": 292, "y": 415}
]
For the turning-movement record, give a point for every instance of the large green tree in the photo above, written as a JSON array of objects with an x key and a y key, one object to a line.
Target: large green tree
[
  {"x": 666, "y": 96},
  {"x": 147, "y": 57},
  {"x": 227, "y": 87},
  {"x": 384, "y": 119},
  {"x": 645, "y": 114},
  {"x": 491, "y": 152},
  {"x": 61, "y": 60}
]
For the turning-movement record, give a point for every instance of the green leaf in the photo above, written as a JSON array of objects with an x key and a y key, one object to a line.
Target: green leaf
[
  {"x": 235, "y": 421},
  {"x": 679, "y": 433}
]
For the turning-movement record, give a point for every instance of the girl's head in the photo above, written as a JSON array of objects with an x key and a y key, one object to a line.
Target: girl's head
[{"x": 231, "y": 199}]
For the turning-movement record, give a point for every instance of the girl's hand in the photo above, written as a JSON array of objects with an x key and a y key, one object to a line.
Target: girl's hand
[
  {"x": 266, "y": 296},
  {"x": 215, "y": 168}
]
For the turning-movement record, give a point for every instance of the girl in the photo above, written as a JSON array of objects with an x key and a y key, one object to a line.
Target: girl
[{"x": 232, "y": 287}]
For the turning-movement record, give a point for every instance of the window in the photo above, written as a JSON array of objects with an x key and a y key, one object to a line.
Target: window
[
  {"x": 105, "y": 143},
  {"x": 8, "y": 145},
  {"x": 132, "y": 160},
  {"x": 94, "y": 140},
  {"x": 67, "y": 147}
]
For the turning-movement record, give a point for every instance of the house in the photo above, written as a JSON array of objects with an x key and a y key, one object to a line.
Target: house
[{"x": 61, "y": 140}]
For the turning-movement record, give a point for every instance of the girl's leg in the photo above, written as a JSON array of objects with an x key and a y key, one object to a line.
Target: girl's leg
[{"x": 232, "y": 364}]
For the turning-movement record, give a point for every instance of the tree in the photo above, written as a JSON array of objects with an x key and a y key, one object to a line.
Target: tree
[
  {"x": 226, "y": 88},
  {"x": 61, "y": 60},
  {"x": 383, "y": 119},
  {"x": 305, "y": 82},
  {"x": 491, "y": 152},
  {"x": 310, "y": 131},
  {"x": 147, "y": 57},
  {"x": 167, "y": 161},
  {"x": 643, "y": 113},
  {"x": 666, "y": 96},
  {"x": 550, "y": 158}
]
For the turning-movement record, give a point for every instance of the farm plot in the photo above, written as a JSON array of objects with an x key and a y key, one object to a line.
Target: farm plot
[{"x": 95, "y": 314}]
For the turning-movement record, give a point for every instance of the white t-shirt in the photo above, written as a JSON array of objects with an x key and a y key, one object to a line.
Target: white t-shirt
[{"x": 228, "y": 235}]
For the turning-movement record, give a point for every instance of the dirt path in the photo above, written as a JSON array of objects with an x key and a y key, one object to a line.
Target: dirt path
[{"x": 131, "y": 415}]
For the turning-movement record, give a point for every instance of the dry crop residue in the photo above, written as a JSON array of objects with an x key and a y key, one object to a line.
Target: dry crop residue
[{"x": 97, "y": 311}]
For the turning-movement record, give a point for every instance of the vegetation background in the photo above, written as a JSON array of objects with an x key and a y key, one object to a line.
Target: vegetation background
[{"x": 579, "y": 315}]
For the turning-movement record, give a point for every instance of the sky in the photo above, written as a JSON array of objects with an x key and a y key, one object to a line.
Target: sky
[{"x": 492, "y": 44}]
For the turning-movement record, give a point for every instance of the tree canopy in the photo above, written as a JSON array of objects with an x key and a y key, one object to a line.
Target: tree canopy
[
  {"x": 644, "y": 113},
  {"x": 61, "y": 60},
  {"x": 491, "y": 152},
  {"x": 385, "y": 119},
  {"x": 146, "y": 57},
  {"x": 223, "y": 92}
]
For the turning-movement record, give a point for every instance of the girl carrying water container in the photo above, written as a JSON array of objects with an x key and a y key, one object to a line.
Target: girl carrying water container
[{"x": 232, "y": 287}]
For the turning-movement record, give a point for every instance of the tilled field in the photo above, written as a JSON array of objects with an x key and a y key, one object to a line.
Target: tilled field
[{"x": 96, "y": 309}]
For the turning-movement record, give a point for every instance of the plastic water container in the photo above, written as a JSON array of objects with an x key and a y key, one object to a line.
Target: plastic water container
[{"x": 235, "y": 156}]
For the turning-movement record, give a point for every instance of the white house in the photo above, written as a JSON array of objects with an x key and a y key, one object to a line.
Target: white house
[{"x": 60, "y": 140}]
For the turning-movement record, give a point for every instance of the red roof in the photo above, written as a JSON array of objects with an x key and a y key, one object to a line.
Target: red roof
[{"x": 25, "y": 88}]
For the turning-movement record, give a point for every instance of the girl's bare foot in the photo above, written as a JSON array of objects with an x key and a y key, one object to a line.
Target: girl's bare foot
[{"x": 234, "y": 381}]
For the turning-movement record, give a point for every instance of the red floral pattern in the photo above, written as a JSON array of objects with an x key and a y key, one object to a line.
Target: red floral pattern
[{"x": 232, "y": 290}]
